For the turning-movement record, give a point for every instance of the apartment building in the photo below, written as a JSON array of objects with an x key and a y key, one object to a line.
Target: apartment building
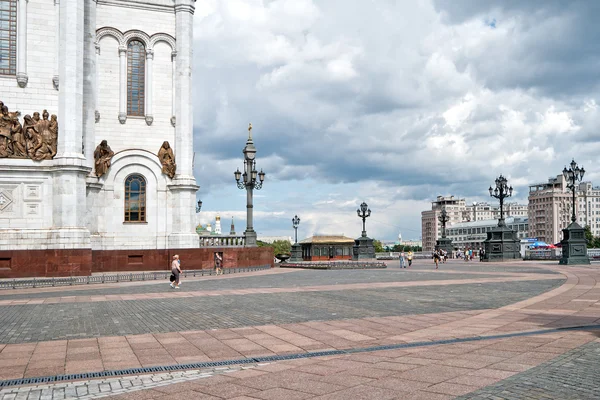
[
  {"x": 550, "y": 208},
  {"x": 470, "y": 235},
  {"x": 459, "y": 211}
]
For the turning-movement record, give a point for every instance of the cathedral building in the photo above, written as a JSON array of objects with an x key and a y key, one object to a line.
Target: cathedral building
[{"x": 96, "y": 141}]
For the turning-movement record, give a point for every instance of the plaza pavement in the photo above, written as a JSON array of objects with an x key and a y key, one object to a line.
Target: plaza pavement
[{"x": 473, "y": 330}]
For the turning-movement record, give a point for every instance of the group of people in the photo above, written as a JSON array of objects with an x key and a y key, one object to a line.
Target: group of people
[
  {"x": 176, "y": 269},
  {"x": 439, "y": 255},
  {"x": 469, "y": 254},
  {"x": 406, "y": 258}
]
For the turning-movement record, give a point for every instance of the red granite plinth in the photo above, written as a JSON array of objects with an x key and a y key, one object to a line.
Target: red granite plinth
[
  {"x": 38, "y": 263},
  {"x": 82, "y": 262},
  {"x": 201, "y": 258}
]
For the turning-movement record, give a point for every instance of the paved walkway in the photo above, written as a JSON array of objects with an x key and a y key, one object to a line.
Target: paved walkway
[{"x": 416, "y": 366}]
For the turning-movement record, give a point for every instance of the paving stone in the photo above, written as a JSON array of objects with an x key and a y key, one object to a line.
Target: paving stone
[{"x": 573, "y": 375}]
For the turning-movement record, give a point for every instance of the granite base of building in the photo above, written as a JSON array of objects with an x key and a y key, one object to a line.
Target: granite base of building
[
  {"x": 296, "y": 253},
  {"x": 363, "y": 249},
  {"x": 574, "y": 246},
  {"x": 82, "y": 262},
  {"x": 502, "y": 244},
  {"x": 445, "y": 244}
]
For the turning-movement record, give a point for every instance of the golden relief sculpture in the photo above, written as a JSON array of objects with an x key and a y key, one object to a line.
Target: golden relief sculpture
[
  {"x": 167, "y": 159},
  {"x": 36, "y": 138},
  {"x": 102, "y": 158}
]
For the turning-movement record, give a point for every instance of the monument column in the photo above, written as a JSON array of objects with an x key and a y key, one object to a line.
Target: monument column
[
  {"x": 183, "y": 187},
  {"x": 70, "y": 170}
]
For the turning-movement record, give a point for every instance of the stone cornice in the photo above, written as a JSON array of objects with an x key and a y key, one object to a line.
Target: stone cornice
[{"x": 152, "y": 5}]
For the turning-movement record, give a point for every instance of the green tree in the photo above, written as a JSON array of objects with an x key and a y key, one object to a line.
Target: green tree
[
  {"x": 589, "y": 236},
  {"x": 378, "y": 246},
  {"x": 279, "y": 246}
]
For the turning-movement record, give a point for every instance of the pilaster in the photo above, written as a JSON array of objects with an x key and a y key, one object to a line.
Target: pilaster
[
  {"x": 122, "y": 84},
  {"x": 149, "y": 94},
  {"x": 70, "y": 169},
  {"x": 89, "y": 82},
  {"x": 183, "y": 187},
  {"x": 22, "y": 77}
]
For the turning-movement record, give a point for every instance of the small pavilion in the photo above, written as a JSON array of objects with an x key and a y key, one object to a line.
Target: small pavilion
[{"x": 327, "y": 247}]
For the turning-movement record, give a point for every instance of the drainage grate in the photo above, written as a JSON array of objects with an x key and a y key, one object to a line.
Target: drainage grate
[{"x": 213, "y": 364}]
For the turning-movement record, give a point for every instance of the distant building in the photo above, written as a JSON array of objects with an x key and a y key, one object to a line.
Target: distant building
[
  {"x": 459, "y": 211},
  {"x": 327, "y": 247},
  {"x": 550, "y": 208},
  {"x": 470, "y": 235},
  {"x": 271, "y": 239},
  {"x": 431, "y": 229},
  {"x": 412, "y": 243},
  {"x": 218, "y": 225}
]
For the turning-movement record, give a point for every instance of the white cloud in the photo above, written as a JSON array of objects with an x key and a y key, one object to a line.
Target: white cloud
[{"x": 388, "y": 102}]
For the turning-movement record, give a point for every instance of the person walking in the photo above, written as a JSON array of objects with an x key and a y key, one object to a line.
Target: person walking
[
  {"x": 175, "y": 270},
  {"x": 436, "y": 258},
  {"x": 402, "y": 264},
  {"x": 218, "y": 263},
  {"x": 409, "y": 256}
]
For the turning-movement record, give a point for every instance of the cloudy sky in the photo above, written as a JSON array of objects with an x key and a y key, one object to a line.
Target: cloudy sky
[{"x": 389, "y": 102}]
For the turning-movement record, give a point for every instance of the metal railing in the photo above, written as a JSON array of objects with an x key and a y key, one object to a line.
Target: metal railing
[
  {"x": 394, "y": 255},
  {"x": 114, "y": 278},
  {"x": 334, "y": 264},
  {"x": 223, "y": 241}
]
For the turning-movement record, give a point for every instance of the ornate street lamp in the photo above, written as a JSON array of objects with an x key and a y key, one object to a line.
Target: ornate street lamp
[
  {"x": 296, "y": 248},
  {"x": 573, "y": 175},
  {"x": 574, "y": 245},
  {"x": 295, "y": 223},
  {"x": 444, "y": 243},
  {"x": 364, "y": 212},
  {"x": 248, "y": 180},
  {"x": 199, "y": 206},
  {"x": 502, "y": 243},
  {"x": 443, "y": 218},
  {"x": 501, "y": 192}
]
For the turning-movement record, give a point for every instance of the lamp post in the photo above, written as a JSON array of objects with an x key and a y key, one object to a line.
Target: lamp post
[
  {"x": 444, "y": 243},
  {"x": 502, "y": 243},
  {"x": 296, "y": 248},
  {"x": 249, "y": 182},
  {"x": 574, "y": 245},
  {"x": 443, "y": 218},
  {"x": 501, "y": 192},
  {"x": 573, "y": 175},
  {"x": 199, "y": 206},
  {"x": 295, "y": 223},
  {"x": 363, "y": 246},
  {"x": 364, "y": 212}
]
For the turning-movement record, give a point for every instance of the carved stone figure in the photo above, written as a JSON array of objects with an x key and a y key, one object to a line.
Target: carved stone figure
[
  {"x": 167, "y": 159},
  {"x": 33, "y": 139},
  {"x": 36, "y": 138},
  {"x": 102, "y": 157},
  {"x": 5, "y": 135}
]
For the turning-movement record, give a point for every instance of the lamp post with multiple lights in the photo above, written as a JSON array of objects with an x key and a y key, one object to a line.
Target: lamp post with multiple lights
[
  {"x": 249, "y": 180},
  {"x": 444, "y": 243},
  {"x": 363, "y": 246},
  {"x": 502, "y": 243},
  {"x": 574, "y": 245},
  {"x": 296, "y": 248},
  {"x": 501, "y": 192}
]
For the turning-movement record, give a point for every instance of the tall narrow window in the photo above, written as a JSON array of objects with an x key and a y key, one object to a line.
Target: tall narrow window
[
  {"x": 8, "y": 37},
  {"x": 135, "y": 199},
  {"x": 136, "y": 72}
]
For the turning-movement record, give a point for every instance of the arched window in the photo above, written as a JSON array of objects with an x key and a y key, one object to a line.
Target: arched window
[
  {"x": 135, "y": 199},
  {"x": 136, "y": 73},
  {"x": 8, "y": 37}
]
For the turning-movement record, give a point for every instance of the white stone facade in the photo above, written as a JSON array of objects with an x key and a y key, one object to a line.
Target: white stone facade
[{"x": 60, "y": 203}]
